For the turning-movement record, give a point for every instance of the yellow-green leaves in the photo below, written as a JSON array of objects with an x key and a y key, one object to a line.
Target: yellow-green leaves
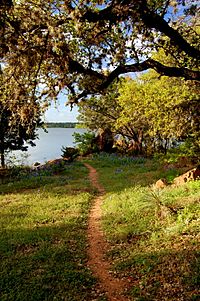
[{"x": 162, "y": 107}]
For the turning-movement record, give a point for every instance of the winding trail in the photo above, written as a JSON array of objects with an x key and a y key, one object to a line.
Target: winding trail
[{"x": 113, "y": 287}]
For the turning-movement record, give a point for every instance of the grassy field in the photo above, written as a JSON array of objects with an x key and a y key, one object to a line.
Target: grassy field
[
  {"x": 43, "y": 220},
  {"x": 153, "y": 234}
]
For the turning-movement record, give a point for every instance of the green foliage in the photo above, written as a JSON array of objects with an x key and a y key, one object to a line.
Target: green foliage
[
  {"x": 85, "y": 143},
  {"x": 69, "y": 153},
  {"x": 163, "y": 109},
  {"x": 189, "y": 148},
  {"x": 49, "y": 46},
  {"x": 186, "y": 150},
  {"x": 19, "y": 117},
  {"x": 101, "y": 112}
]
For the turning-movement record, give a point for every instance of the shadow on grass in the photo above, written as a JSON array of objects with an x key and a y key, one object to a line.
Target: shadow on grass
[
  {"x": 73, "y": 175},
  {"x": 118, "y": 173},
  {"x": 45, "y": 263},
  {"x": 43, "y": 238},
  {"x": 164, "y": 275}
]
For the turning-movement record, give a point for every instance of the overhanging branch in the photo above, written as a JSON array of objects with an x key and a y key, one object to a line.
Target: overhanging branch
[
  {"x": 152, "y": 64},
  {"x": 137, "y": 67},
  {"x": 140, "y": 10}
]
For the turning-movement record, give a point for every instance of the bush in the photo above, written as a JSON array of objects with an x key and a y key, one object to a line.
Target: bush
[
  {"x": 86, "y": 143},
  {"x": 69, "y": 153},
  {"x": 185, "y": 149}
]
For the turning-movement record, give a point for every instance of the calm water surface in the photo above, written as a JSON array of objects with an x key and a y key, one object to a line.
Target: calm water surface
[{"x": 48, "y": 146}]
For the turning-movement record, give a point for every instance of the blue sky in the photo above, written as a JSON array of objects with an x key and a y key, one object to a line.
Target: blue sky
[{"x": 60, "y": 112}]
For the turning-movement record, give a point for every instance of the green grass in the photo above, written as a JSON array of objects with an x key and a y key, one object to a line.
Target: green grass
[
  {"x": 153, "y": 234},
  {"x": 118, "y": 173},
  {"x": 43, "y": 237}
]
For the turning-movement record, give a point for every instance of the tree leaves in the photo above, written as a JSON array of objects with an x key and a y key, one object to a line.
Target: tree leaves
[{"x": 87, "y": 45}]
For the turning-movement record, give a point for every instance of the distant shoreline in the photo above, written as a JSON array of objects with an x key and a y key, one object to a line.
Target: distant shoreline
[{"x": 61, "y": 124}]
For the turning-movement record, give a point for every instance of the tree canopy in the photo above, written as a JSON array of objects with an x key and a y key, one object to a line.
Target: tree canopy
[
  {"x": 150, "y": 112},
  {"x": 161, "y": 110},
  {"x": 82, "y": 46},
  {"x": 19, "y": 116}
]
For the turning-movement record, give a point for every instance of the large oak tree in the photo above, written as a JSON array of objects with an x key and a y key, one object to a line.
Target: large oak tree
[
  {"x": 160, "y": 111},
  {"x": 82, "y": 46}
]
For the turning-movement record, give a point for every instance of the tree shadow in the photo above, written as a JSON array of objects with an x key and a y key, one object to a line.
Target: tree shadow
[
  {"x": 45, "y": 263},
  {"x": 118, "y": 175},
  {"x": 163, "y": 275}
]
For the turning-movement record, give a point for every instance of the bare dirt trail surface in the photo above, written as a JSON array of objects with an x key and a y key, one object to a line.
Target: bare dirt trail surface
[{"x": 114, "y": 288}]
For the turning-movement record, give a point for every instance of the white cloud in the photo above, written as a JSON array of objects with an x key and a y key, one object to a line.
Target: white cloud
[{"x": 61, "y": 114}]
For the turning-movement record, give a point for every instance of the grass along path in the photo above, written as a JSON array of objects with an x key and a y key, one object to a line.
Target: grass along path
[
  {"x": 44, "y": 227},
  {"x": 153, "y": 235},
  {"x": 43, "y": 235},
  {"x": 113, "y": 287}
]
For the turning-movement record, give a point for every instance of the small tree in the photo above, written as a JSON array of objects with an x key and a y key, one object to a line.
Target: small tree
[
  {"x": 69, "y": 153},
  {"x": 86, "y": 143}
]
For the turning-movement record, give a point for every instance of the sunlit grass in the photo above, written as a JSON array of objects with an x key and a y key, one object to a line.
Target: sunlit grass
[
  {"x": 43, "y": 237},
  {"x": 153, "y": 234}
]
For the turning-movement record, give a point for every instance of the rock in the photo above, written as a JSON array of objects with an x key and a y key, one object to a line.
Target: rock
[
  {"x": 51, "y": 163},
  {"x": 160, "y": 184},
  {"x": 191, "y": 175},
  {"x": 56, "y": 161}
]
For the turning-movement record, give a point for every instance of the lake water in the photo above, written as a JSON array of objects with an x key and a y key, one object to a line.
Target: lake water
[{"x": 48, "y": 146}]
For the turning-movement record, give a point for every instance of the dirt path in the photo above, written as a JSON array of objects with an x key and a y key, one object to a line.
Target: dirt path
[{"x": 113, "y": 287}]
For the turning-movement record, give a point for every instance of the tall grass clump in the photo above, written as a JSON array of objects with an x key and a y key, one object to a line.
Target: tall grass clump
[{"x": 124, "y": 214}]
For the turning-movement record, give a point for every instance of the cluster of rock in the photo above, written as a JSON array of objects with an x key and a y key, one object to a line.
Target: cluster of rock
[
  {"x": 39, "y": 166},
  {"x": 191, "y": 175}
]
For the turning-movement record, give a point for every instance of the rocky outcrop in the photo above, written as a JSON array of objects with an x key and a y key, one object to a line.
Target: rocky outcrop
[
  {"x": 160, "y": 184},
  {"x": 191, "y": 175},
  {"x": 50, "y": 163}
]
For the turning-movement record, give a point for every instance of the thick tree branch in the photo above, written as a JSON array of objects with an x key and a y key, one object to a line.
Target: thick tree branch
[
  {"x": 152, "y": 64},
  {"x": 137, "y": 67},
  {"x": 150, "y": 18},
  {"x": 153, "y": 20}
]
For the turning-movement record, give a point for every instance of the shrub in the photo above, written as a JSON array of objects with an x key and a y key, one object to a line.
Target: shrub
[
  {"x": 86, "y": 143},
  {"x": 69, "y": 153},
  {"x": 185, "y": 149}
]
